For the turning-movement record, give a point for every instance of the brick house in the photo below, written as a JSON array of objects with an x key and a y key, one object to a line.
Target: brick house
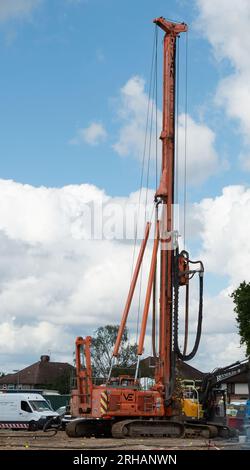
[
  {"x": 237, "y": 386},
  {"x": 40, "y": 375}
]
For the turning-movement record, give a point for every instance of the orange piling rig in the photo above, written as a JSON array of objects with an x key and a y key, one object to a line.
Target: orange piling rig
[{"x": 119, "y": 407}]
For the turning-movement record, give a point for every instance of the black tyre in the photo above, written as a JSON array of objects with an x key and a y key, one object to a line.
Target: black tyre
[{"x": 33, "y": 426}]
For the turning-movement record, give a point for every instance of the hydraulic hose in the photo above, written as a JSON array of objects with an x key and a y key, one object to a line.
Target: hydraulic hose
[
  {"x": 183, "y": 356},
  {"x": 52, "y": 424}
]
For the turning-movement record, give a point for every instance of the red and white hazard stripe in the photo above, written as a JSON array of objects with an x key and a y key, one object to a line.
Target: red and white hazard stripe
[{"x": 14, "y": 426}]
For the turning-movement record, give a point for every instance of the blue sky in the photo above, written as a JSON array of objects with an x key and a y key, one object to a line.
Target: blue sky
[
  {"x": 63, "y": 67},
  {"x": 73, "y": 91}
]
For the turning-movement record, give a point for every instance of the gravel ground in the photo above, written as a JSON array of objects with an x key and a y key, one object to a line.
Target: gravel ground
[{"x": 39, "y": 440}]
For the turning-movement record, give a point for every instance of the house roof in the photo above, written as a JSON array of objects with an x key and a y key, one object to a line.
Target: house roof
[
  {"x": 189, "y": 372},
  {"x": 40, "y": 373},
  {"x": 185, "y": 371}
]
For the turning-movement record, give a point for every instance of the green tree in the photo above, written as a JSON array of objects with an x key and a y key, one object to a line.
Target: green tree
[
  {"x": 241, "y": 298},
  {"x": 102, "y": 348}
]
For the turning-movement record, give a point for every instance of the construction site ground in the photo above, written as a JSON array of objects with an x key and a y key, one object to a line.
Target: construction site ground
[{"x": 24, "y": 440}]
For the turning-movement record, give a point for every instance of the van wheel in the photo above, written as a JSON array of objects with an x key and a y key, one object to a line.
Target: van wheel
[{"x": 33, "y": 426}]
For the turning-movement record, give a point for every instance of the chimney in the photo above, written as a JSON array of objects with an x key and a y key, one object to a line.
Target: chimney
[{"x": 45, "y": 358}]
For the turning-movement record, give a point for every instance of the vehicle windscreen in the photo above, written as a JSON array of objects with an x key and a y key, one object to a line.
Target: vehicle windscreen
[{"x": 40, "y": 405}]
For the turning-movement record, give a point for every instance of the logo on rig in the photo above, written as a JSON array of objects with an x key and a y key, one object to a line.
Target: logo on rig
[{"x": 129, "y": 396}]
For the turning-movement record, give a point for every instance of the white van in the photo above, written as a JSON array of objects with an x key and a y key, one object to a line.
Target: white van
[{"x": 24, "y": 411}]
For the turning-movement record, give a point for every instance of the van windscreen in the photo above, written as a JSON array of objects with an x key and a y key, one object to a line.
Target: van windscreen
[{"x": 40, "y": 405}]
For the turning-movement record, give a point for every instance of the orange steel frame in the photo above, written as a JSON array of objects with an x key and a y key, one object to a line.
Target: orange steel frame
[{"x": 84, "y": 374}]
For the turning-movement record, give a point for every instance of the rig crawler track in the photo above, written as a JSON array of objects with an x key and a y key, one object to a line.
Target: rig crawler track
[
  {"x": 139, "y": 428},
  {"x": 147, "y": 428}
]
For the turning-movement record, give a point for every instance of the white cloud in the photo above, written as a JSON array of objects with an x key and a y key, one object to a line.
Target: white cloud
[
  {"x": 14, "y": 9},
  {"x": 56, "y": 281},
  {"x": 234, "y": 94},
  {"x": 218, "y": 350},
  {"x": 52, "y": 277},
  {"x": 227, "y": 26},
  {"x": 225, "y": 225},
  {"x": 202, "y": 159},
  {"x": 38, "y": 338},
  {"x": 132, "y": 113},
  {"x": 220, "y": 344},
  {"x": 94, "y": 134}
]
